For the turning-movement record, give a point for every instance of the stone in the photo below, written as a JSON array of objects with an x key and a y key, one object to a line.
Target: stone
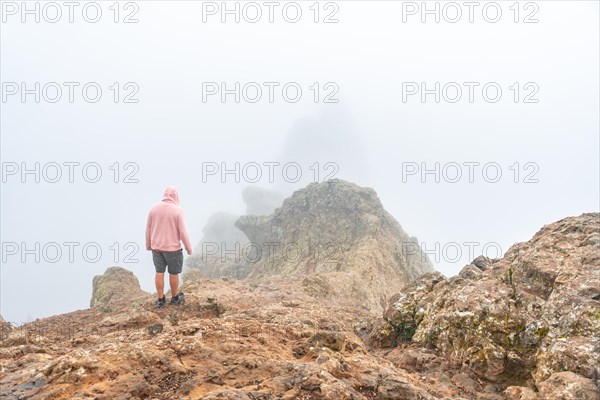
[
  {"x": 568, "y": 386},
  {"x": 520, "y": 393},
  {"x": 114, "y": 286},
  {"x": 339, "y": 242},
  {"x": 522, "y": 327},
  {"x": 522, "y": 318}
]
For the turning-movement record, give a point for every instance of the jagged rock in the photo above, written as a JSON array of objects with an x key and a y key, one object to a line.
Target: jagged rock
[
  {"x": 528, "y": 315},
  {"x": 335, "y": 239},
  {"x": 393, "y": 388},
  {"x": 5, "y": 328},
  {"x": 482, "y": 262},
  {"x": 408, "y": 307},
  {"x": 471, "y": 271},
  {"x": 577, "y": 354},
  {"x": 520, "y": 393},
  {"x": 115, "y": 285},
  {"x": 568, "y": 386}
]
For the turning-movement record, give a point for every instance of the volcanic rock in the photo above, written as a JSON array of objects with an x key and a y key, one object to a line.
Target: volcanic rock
[
  {"x": 115, "y": 285},
  {"x": 337, "y": 241},
  {"x": 529, "y": 318}
]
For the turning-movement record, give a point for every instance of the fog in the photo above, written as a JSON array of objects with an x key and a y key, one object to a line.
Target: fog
[{"x": 369, "y": 125}]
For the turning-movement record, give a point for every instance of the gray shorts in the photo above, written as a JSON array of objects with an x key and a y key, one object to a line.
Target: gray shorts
[{"x": 172, "y": 259}]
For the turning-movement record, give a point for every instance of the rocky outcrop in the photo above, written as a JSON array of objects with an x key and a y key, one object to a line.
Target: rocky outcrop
[
  {"x": 529, "y": 318},
  {"x": 335, "y": 239},
  {"x": 5, "y": 328},
  {"x": 114, "y": 286}
]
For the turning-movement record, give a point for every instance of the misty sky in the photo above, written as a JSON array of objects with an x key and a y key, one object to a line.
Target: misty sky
[{"x": 378, "y": 131}]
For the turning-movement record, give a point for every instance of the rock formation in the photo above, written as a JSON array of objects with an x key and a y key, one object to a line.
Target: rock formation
[
  {"x": 523, "y": 327},
  {"x": 5, "y": 328},
  {"x": 531, "y": 318},
  {"x": 115, "y": 285},
  {"x": 337, "y": 240}
]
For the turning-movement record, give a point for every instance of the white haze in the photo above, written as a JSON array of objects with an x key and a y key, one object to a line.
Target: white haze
[{"x": 369, "y": 133}]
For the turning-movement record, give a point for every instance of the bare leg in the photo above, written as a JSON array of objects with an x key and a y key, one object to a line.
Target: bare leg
[
  {"x": 159, "y": 281},
  {"x": 174, "y": 282}
]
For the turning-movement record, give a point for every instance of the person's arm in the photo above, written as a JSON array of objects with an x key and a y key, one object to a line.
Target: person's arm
[
  {"x": 148, "y": 230},
  {"x": 183, "y": 233}
]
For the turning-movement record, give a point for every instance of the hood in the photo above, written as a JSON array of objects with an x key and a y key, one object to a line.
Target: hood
[{"x": 171, "y": 195}]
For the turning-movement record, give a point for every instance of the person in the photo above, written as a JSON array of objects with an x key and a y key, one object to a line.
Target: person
[{"x": 165, "y": 230}]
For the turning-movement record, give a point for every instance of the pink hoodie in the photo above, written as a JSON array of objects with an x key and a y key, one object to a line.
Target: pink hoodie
[{"x": 166, "y": 226}]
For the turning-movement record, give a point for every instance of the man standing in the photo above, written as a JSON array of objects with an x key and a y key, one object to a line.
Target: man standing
[{"x": 165, "y": 230}]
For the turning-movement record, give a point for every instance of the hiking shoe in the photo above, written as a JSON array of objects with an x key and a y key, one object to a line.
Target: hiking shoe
[
  {"x": 160, "y": 303},
  {"x": 177, "y": 299}
]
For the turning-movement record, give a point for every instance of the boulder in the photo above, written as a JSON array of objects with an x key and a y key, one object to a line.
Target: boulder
[{"x": 114, "y": 286}]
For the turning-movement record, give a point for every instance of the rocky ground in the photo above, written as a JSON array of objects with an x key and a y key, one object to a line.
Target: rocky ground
[
  {"x": 521, "y": 327},
  {"x": 228, "y": 341}
]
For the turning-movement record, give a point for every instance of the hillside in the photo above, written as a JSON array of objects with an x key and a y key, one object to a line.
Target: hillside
[{"x": 523, "y": 327}]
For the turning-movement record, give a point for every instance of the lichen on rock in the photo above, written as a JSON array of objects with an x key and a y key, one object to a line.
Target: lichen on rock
[{"x": 522, "y": 318}]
